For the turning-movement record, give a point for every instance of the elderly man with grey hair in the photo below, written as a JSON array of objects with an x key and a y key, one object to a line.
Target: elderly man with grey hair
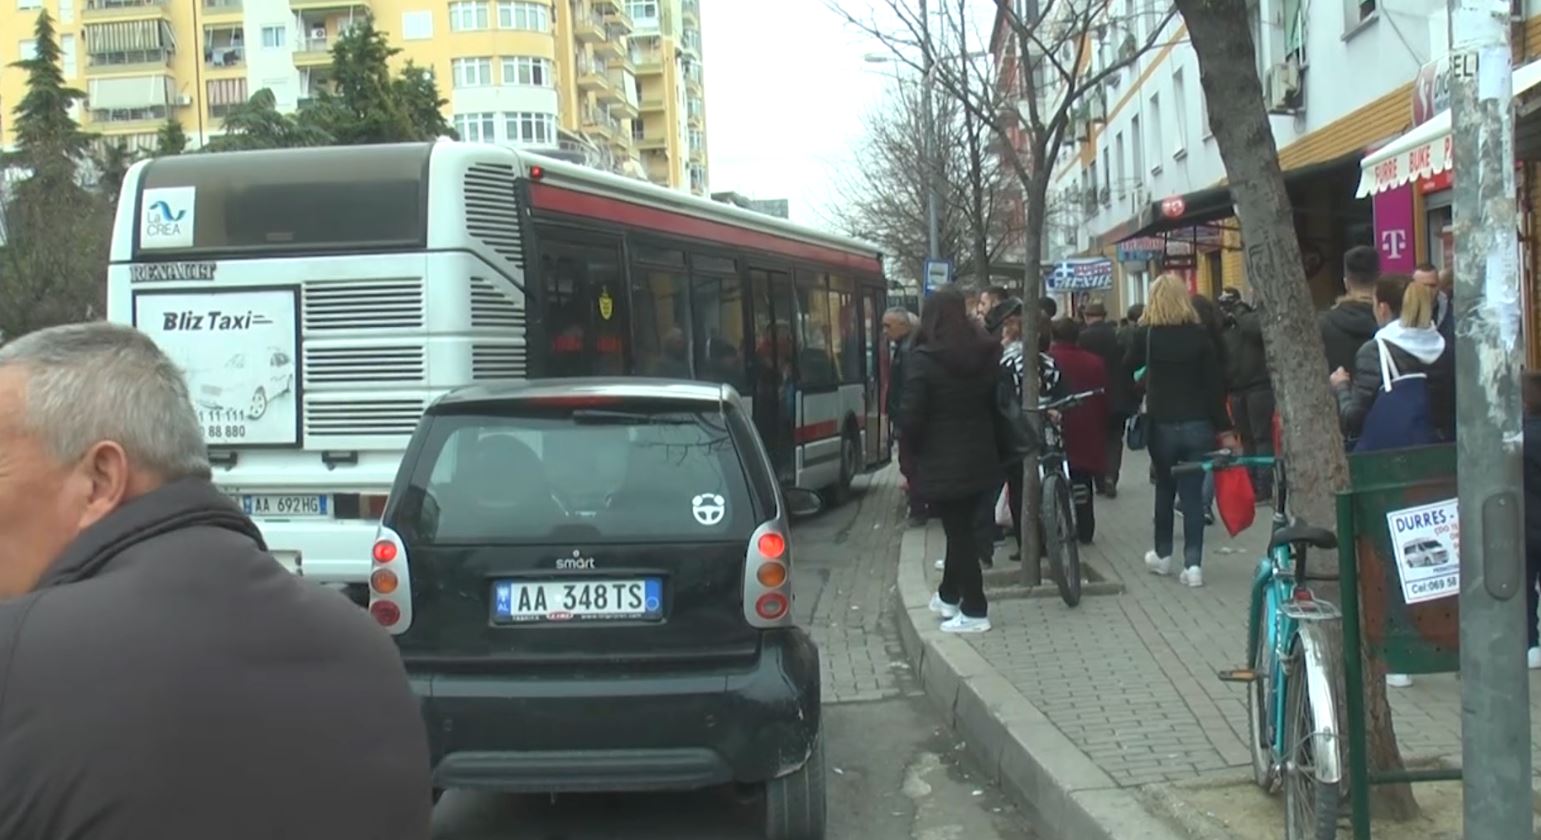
[
  {"x": 900, "y": 327},
  {"x": 161, "y": 676}
]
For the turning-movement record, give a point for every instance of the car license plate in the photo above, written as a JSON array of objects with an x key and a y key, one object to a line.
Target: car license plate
[
  {"x": 521, "y": 601},
  {"x": 285, "y": 505}
]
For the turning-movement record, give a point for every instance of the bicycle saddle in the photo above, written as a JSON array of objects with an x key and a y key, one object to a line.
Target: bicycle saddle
[{"x": 1300, "y": 532}]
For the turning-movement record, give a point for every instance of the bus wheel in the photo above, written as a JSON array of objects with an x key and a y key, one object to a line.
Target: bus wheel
[{"x": 850, "y": 464}]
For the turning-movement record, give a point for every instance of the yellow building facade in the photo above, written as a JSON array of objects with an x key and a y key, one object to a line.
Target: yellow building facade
[{"x": 615, "y": 84}]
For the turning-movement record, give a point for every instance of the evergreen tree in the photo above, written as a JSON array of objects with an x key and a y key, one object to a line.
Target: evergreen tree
[
  {"x": 368, "y": 110},
  {"x": 171, "y": 139},
  {"x": 418, "y": 92},
  {"x": 258, "y": 124},
  {"x": 112, "y": 163},
  {"x": 49, "y": 142}
]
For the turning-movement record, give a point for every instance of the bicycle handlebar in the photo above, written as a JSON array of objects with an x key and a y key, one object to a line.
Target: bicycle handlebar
[
  {"x": 1221, "y": 459},
  {"x": 1070, "y": 401}
]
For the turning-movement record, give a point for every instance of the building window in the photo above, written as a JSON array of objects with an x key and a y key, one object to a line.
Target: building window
[
  {"x": 1204, "y": 118},
  {"x": 1356, "y": 12},
  {"x": 467, "y": 17},
  {"x": 28, "y": 51},
  {"x": 471, "y": 72},
  {"x": 531, "y": 17},
  {"x": 68, "y": 57},
  {"x": 533, "y": 128},
  {"x": 477, "y": 128},
  {"x": 1120, "y": 179},
  {"x": 273, "y": 37},
  {"x": 1180, "y": 113},
  {"x": 224, "y": 94},
  {"x": 1153, "y": 113},
  {"x": 26, "y": 5},
  {"x": 527, "y": 70},
  {"x": 1136, "y": 147},
  {"x": 642, "y": 10},
  {"x": 416, "y": 26}
]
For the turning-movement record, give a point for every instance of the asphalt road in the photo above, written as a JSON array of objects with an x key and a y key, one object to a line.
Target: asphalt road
[{"x": 894, "y": 771}]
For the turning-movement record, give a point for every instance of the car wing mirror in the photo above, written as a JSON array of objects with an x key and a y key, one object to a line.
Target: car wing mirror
[{"x": 802, "y": 502}]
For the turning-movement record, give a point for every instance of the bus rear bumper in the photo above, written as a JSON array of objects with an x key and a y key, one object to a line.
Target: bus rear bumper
[{"x": 329, "y": 551}]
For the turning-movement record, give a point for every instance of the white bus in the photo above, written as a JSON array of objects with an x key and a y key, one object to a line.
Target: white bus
[{"x": 319, "y": 299}]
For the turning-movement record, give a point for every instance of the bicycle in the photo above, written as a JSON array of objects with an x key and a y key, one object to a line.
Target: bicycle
[
  {"x": 1292, "y": 695},
  {"x": 1057, "y": 510}
]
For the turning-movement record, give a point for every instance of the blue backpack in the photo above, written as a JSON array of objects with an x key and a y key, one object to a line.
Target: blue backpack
[{"x": 1399, "y": 418}]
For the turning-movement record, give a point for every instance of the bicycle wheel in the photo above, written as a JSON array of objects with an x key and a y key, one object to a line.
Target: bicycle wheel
[
  {"x": 1310, "y": 804},
  {"x": 1260, "y": 694},
  {"x": 1060, "y": 538}
]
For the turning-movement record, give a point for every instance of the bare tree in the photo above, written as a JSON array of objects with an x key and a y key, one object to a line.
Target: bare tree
[
  {"x": 884, "y": 195},
  {"x": 1047, "y": 72},
  {"x": 1317, "y": 466}
]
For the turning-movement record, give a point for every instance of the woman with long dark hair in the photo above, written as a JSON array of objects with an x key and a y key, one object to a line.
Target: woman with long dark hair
[{"x": 947, "y": 418}]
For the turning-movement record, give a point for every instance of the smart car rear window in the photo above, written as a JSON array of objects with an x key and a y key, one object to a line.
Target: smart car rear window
[{"x": 537, "y": 475}]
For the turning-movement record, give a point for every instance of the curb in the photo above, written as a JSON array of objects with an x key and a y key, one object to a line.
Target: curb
[{"x": 1065, "y": 793}]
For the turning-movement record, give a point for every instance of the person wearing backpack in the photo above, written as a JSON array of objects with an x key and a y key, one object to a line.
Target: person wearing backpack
[{"x": 1402, "y": 390}]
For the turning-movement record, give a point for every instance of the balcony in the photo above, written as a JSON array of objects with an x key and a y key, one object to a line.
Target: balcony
[
  {"x": 614, "y": 45},
  {"x": 622, "y": 94},
  {"x": 341, "y": 7},
  {"x": 224, "y": 47},
  {"x": 592, "y": 78},
  {"x": 647, "y": 62},
  {"x": 216, "y": 10},
  {"x": 614, "y": 12},
  {"x": 655, "y": 104},
  {"x": 652, "y": 144},
  {"x": 315, "y": 51},
  {"x": 597, "y": 123},
  {"x": 129, "y": 60},
  {"x": 124, "y": 9},
  {"x": 690, "y": 12},
  {"x": 589, "y": 29}
]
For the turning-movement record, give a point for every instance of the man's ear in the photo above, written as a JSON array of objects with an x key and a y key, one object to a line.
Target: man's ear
[{"x": 107, "y": 480}]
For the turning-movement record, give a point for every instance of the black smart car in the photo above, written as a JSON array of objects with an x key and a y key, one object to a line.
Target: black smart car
[{"x": 590, "y": 584}]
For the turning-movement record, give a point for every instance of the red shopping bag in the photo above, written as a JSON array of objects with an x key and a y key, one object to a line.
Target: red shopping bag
[{"x": 1235, "y": 499}]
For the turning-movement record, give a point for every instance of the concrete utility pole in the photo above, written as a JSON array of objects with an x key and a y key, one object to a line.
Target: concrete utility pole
[
  {"x": 1495, "y": 687},
  {"x": 933, "y": 171}
]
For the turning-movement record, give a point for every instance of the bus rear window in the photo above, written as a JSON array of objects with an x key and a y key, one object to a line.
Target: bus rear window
[
  {"x": 608, "y": 476},
  {"x": 325, "y": 199}
]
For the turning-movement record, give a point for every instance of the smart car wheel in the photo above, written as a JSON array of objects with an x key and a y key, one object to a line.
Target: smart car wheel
[
  {"x": 259, "y": 404},
  {"x": 794, "y": 804}
]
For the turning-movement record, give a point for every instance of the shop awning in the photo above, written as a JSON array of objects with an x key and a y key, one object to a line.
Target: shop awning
[
  {"x": 1426, "y": 150},
  {"x": 1207, "y": 206}
]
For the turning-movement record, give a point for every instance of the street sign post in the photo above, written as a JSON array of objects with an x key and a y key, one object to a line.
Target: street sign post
[{"x": 938, "y": 274}]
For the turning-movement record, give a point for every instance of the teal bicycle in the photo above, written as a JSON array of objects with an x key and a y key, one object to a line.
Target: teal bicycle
[{"x": 1293, "y": 668}]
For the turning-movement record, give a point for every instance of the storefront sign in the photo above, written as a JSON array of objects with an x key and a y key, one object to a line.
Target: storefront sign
[
  {"x": 1174, "y": 207},
  {"x": 1394, "y": 230},
  {"x": 1141, "y": 249},
  {"x": 1442, "y": 181},
  {"x": 1431, "y": 90},
  {"x": 1078, "y": 275}
]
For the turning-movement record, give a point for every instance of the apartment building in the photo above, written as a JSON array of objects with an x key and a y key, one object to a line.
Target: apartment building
[
  {"x": 569, "y": 77},
  {"x": 1141, "y": 182}
]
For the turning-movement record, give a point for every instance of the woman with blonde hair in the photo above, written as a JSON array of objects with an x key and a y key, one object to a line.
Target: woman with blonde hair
[{"x": 1185, "y": 410}]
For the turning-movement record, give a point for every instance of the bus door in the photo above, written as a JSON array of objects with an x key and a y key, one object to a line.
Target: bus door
[
  {"x": 875, "y": 358},
  {"x": 585, "y": 315},
  {"x": 772, "y": 367}
]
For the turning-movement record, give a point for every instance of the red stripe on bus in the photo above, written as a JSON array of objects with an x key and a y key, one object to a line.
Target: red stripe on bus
[
  {"x": 816, "y": 431},
  {"x": 561, "y": 200}
]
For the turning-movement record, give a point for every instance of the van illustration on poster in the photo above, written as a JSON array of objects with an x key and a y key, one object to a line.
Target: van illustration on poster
[
  {"x": 1427, "y": 540},
  {"x": 239, "y": 349}
]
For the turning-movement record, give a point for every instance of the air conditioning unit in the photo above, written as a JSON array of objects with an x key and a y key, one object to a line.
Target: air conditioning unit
[
  {"x": 184, "y": 100},
  {"x": 1282, "y": 86}
]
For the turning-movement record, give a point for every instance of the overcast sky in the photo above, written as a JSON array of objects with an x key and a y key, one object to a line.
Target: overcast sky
[{"x": 786, "y": 90}]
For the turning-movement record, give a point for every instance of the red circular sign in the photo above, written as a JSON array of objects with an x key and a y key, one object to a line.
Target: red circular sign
[{"x": 1173, "y": 207}]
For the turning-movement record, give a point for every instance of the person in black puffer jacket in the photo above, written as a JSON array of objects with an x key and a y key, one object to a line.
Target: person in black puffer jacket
[
  {"x": 1416, "y": 348},
  {"x": 1248, "y": 383},
  {"x": 1351, "y": 321},
  {"x": 948, "y": 419}
]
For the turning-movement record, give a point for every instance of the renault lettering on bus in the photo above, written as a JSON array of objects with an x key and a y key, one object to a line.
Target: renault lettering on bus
[{"x": 319, "y": 299}]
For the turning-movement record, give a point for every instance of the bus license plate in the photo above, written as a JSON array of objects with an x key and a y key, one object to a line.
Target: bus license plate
[
  {"x": 285, "y": 505},
  {"x": 522, "y": 602}
]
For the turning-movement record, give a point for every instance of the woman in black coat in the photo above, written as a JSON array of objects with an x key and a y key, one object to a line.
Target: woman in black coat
[{"x": 948, "y": 420}]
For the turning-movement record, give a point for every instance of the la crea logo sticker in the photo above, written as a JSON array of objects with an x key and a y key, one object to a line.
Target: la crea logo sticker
[
  {"x": 166, "y": 217},
  {"x": 709, "y": 508}
]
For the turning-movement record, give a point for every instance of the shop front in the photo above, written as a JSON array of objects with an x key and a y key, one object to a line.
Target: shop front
[{"x": 1410, "y": 180}]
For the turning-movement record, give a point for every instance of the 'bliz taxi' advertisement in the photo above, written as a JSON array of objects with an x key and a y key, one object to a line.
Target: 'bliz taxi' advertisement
[{"x": 239, "y": 349}]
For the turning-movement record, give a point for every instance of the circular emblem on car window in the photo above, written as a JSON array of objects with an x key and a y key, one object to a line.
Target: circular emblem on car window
[{"x": 709, "y": 508}]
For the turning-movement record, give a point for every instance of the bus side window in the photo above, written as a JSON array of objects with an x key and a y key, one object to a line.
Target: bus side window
[
  {"x": 719, "y": 330},
  {"x": 816, "y": 361},
  {"x": 844, "y": 331},
  {"x": 659, "y": 319}
]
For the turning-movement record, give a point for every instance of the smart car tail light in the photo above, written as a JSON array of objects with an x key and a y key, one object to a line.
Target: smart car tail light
[
  {"x": 768, "y": 578},
  {"x": 390, "y": 588}
]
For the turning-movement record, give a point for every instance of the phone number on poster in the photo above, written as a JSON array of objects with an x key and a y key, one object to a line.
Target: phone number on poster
[{"x": 216, "y": 432}]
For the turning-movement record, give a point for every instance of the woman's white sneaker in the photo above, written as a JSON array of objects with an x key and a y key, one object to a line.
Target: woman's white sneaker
[
  {"x": 1192, "y": 576},
  {"x": 1398, "y": 680},
  {"x": 961, "y": 623},
  {"x": 942, "y": 608},
  {"x": 1157, "y": 564}
]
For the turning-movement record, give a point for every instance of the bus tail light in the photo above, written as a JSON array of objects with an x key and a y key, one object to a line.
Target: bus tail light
[
  {"x": 768, "y": 578},
  {"x": 390, "y": 583}
]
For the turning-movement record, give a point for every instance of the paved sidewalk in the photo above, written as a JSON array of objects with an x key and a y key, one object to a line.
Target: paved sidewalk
[{"x": 1129, "y": 679}]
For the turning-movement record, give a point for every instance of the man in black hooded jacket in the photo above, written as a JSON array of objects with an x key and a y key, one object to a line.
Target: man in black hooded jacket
[
  {"x": 1351, "y": 322},
  {"x": 161, "y": 676}
]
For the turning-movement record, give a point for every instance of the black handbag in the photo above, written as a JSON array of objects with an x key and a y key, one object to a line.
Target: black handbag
[
  {"x": 1014, "y": 439},
  {"x": 1137, "y": 427}
]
